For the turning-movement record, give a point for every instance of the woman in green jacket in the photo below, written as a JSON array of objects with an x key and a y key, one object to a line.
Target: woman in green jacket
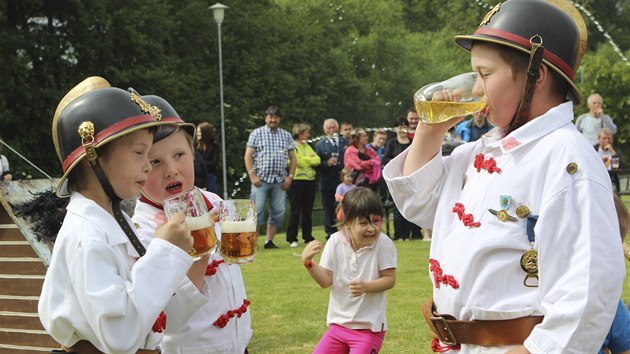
[{"x": 302, "y": 191}]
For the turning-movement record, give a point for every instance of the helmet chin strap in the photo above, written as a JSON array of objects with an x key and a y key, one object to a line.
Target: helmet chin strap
[
  {"x": 118, "y": 214},
  {"x": 533, "y": 71},
  {"x": 107, "y": 187}
]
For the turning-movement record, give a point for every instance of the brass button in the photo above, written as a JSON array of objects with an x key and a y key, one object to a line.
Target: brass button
[
  {"x": 522, "y": 211},
  {"x": 572, "y": 168}
]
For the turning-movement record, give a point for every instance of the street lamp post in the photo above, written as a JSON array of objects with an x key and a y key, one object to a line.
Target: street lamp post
[{"x": 218, "y": 11}]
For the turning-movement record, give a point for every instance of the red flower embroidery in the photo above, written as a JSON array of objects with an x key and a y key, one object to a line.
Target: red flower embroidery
[
  {"x": 223, "y": 320},
  {"x": 489, "y": 165},
  {"x": 510, "y": 143},
  {"x": 440, "y": 277},
  {"x": 467, "y": 219},
  {"x": 211, "y": 269},
  {"x": 160, "y": 323},
  {"x": 159, "y": 218}
]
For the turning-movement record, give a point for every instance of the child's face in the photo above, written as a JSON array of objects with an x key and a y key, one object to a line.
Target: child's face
[
  {"x": 173, "y": 167},
  {"x": 347, "y": 179},
  {"x": 126, "y": 164},
  {"x": 364, "y": 232},
  {"x": 496, "y": 83},
  {"x": 379, "y": 140}
]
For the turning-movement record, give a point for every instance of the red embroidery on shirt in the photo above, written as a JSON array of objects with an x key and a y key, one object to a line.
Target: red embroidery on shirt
[
  {"x": 438, "y": 348},
  {"x": 160, "y": 323},
  {"x": 223, "y": 320},
  {"x": 467, "y": 219},
  {"x": 211, "y": 269},
  {"x": 489, "y": 165},
  {"x": 510, "y": 143},
  {"x": 440, "y": 277},
  {"x": 159, "y": 218}
]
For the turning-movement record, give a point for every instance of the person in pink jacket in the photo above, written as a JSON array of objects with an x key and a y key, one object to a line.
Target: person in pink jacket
[{"x": 362, "y": 160}]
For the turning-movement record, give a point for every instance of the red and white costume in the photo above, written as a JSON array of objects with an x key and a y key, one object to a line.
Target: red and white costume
[
  {"x": 549, "y": 167},
  {"x": 225, "y": 291}
]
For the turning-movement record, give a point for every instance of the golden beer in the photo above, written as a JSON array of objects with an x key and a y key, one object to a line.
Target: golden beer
[
  {"x": 441, "y": 111},
  {"x": 193, "y": 205},
  {"x": 204, "y": 237},
  {"x": 238, "y": 241},
  {"x": 440, "y": 101}
]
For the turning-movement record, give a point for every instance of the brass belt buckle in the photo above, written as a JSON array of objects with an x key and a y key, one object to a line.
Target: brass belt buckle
[{"x": 443, "y": 330}]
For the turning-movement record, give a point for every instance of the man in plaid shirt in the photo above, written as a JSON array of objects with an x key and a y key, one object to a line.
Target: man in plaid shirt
[{"x": 268, "y": 149}]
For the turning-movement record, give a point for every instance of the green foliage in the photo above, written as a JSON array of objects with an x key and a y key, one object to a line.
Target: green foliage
[
  {"x": 613, "y": 16},
  {"x": 602, "y": 72},
  {"x": 348, "y": 59}
]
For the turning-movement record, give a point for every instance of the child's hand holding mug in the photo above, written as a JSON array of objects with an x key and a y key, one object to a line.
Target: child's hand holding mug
[{"x": 175, "y": 231}]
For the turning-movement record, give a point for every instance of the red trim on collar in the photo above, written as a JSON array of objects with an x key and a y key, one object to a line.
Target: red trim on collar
[
  {"x": 208, "y": 204},
  {"x": 150, "y": 202},
  {"x": 564, "y": 67}
]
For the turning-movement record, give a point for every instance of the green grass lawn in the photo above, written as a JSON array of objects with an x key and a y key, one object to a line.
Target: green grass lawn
[{"x": 289, "y": 309}]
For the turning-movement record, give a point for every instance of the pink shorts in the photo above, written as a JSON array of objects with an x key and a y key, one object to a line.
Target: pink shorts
[{"x": 341, "y": 340}]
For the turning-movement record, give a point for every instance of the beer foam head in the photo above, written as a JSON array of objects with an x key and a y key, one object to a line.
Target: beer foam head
[
  {"x": 198, "y": 222},
  {"x": 237, "y": 226}
]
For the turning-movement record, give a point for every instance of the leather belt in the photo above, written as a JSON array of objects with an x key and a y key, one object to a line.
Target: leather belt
[
  {"x": 478, "y": 332},
  {"x": 85, "y": 347}
]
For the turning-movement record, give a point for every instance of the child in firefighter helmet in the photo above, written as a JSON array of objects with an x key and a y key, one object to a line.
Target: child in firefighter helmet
[
  {"x": 522, "y": 254},
  {"x": 103, "y": 290}
]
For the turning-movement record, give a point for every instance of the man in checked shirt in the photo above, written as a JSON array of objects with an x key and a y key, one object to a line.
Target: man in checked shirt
[{"x": 268, "y": 149}]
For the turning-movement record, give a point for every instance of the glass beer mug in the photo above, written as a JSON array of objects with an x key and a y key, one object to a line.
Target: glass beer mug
[
  {"x": 239, "y": 240},
  {"x": 441, "y": 101},
  {"x": 198, "y": 219}
]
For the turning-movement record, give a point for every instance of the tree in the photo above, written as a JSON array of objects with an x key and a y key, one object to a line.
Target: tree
[
  {"x": 604, "y": 73},
  {"x": 348, "y": 59}
]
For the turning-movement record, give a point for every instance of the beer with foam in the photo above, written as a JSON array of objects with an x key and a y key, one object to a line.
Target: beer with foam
[
  {"x": 239, "y": 238},
  {"x": 198, "y": 220},
  {"x": 204, "y": 236},
  {"x": 238, "y": 241}
]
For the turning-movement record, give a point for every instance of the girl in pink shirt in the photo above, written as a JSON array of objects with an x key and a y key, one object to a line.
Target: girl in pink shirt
[{"x": 359, "y": 263}]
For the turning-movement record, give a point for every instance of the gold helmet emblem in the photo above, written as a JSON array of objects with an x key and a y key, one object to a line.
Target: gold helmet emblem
[
  {"x": 489, "y": 15},
  {"x": 145, "y": 107}
]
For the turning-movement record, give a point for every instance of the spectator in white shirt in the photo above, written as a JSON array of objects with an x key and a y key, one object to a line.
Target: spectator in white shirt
[{"x": 589, "y": 124}]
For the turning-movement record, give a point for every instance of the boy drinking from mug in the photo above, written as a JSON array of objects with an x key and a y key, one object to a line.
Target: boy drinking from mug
[{"x": 522, "y": 254}]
